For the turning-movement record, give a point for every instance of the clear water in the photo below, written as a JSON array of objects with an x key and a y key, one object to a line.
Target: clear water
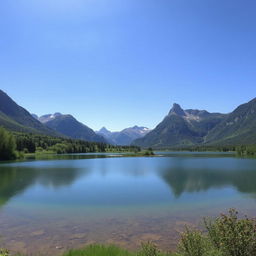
[{"x": 48, "y": 206}]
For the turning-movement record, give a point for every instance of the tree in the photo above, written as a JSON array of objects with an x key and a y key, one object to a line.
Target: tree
[{"x": 7, "y": 145}]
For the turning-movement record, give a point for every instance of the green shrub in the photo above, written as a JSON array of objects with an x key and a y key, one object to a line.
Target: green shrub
[
  {"x": 233, "y": 236},
  {"x": 4, "y": 252},
  {"x": 149, "y": 249},
  {"x": 194, "y": 243},
  {"x": 227, "y": 235}
]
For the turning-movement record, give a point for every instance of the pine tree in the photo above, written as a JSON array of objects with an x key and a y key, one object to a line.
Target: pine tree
[{"x": 7, "y": 145}]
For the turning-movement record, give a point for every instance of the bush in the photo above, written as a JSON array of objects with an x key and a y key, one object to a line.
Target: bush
[
  {"x": 4, "y": 252},
  {"x": 149, "y": 249},
  {"x": 194, "y": 243},
  {"x": 227, "y": 235},
  {"x": 233, "y": 236}
]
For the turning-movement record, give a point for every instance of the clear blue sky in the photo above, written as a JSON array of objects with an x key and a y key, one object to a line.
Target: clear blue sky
[{"x": 117, "y": 63}]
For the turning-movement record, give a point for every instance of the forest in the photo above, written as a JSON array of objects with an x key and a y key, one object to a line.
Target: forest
[{"x": 12, "y": 144}]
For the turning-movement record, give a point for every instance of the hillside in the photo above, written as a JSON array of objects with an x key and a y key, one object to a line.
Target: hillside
[
  {"x": 15, "y": 118},
  {"x": 69, "y": 126},
  {"x": 239, "y": 127},
  {"x": 181, "y": 128}
]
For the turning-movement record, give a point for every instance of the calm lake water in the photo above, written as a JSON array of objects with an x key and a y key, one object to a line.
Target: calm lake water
[{"x": 48, "y": 206}]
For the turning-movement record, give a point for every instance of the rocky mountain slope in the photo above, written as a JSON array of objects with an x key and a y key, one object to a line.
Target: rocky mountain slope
[{"x": 181, "y": 128}]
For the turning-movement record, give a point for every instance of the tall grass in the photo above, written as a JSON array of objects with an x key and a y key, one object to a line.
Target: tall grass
[
  {"x": 99, "y": 250},
  {"x": 147, "y": 249}
]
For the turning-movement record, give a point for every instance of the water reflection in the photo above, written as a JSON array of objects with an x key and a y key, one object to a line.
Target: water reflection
[
  {"x": 202, "y": 176},
  {"x": 15, "y": 180},
  {"x": 124, "y": 181}
]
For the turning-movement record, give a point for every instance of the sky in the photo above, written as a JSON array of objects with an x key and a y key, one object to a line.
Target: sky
[{"x": 120, "y": 63}]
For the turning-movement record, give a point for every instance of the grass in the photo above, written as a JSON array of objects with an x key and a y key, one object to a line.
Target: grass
[
  {"x": 147, "y": 249},
  {"x": 99, "y": 250}
]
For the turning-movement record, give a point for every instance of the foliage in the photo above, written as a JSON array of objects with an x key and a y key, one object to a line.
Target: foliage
[
  {"x": 227, "y": 235},
  {"x": 4, "y": 252},
  {"x": 7, "y": 145},
  {"x": 246, "y": 150},
  {"x": 32, "y": 143},
  {"x": 149, "y": 152},
  {"x": 149, "y": 249},
  {"x": 194, "y": 243},
  {"x": 233, "y": 236}
]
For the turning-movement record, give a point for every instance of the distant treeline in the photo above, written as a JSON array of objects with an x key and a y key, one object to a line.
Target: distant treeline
[
  {"x": 30, "y": 143},
  {"x": 243, "y": 150},
  {"x": 246, "y": 150},
  {"x": 204, "y": 148},
  {"x": 13, "y": 143}
]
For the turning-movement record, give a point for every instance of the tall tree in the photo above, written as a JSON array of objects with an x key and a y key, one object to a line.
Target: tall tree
[{"x": 7, "y": 145}]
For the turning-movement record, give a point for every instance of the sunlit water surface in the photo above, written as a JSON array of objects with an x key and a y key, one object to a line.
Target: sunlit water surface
[{"x": 48, "y": 206}]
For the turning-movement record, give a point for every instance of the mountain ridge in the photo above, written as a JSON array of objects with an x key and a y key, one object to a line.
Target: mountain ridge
[
  {"x": 181, "y": 128},
  {"x": 18, "y": 119},
  {"x": 69, "y": 126},
  {"x": 239, "y": 125},
  {"x": 125, "y": 136}
]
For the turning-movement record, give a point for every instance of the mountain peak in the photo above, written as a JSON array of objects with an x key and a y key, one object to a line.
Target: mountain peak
[
  {"x": 57, "y": 114},
  {"x": 104, "y": 132},
  {"x": 104, "y": 129},
  {"x": 177, "y": 110}
]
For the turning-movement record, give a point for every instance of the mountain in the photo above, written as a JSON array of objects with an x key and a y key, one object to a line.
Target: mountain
[
  {"x": 35, "y": 116},
  {"x": 104, "y": 132},
  {"x": 15, "y": 118},
  {"x": 46, "y": 118},
  {"x": 239, "y": 127},
  {"x": 124, "y": 137},
  {"x": 69, "y": 126},
  {"x": 181, "y": 128}
]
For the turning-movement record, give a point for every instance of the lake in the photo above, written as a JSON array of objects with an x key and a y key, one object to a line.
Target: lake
[{"x": 50, "y": 205}]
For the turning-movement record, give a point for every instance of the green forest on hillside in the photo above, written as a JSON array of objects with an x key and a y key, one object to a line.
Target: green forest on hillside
[{"x": 12, "y": 144}]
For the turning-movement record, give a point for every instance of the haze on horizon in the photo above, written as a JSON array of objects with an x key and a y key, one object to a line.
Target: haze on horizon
[{"x": 123, "y": 63}]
